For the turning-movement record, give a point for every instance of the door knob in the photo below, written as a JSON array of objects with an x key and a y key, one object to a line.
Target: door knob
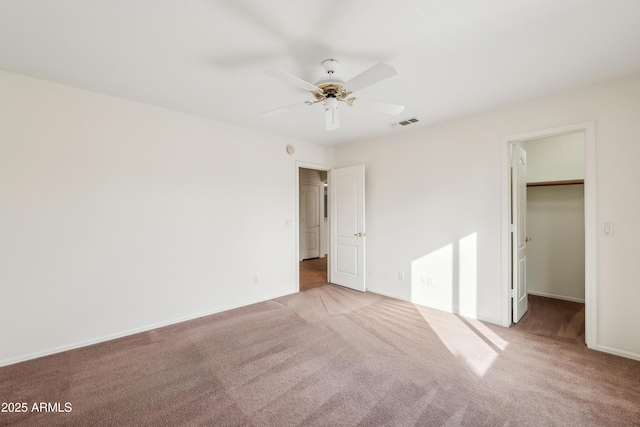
[
  {"x": 527, "y": 239},
  {"x": 359, "y": 234}
]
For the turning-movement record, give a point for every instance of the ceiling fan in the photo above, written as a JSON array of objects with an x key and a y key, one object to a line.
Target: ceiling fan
[{"x": 331, "y": 90}]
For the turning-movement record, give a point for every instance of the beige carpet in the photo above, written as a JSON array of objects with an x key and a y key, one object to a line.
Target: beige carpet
[
  {"x": 329, "y": 357},
  {"x": 554, "y": 318}
]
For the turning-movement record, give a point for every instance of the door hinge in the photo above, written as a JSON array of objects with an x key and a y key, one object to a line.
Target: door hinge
[
  {"x": 513, "y": 293},
  {"x": 512, "y": 228}
]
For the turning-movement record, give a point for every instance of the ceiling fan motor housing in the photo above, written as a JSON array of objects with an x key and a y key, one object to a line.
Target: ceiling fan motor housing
[
  {"x": 332, "y": 90},
  {"x": 330, "y": 66}
]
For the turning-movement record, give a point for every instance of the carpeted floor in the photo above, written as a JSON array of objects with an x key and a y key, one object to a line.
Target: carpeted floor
[
  {"x": 313, "y": 273},
  {"x": 329, "y": 356},
  {"x": 554, "y": 318}
]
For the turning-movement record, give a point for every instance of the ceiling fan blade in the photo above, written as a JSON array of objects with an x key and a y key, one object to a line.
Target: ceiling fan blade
[
  {"x": 382, "y": 107},
  {"x": 373, "y": 75},
  {"x": 332, "y": 119},
  {"x": 286, "y": 107},
  {"x": 279, "y": 74}
]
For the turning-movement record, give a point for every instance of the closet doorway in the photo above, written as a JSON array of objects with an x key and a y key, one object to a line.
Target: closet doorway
[
  {"x": 586, "y": 129},
  {"x": 555, "y": 230}
]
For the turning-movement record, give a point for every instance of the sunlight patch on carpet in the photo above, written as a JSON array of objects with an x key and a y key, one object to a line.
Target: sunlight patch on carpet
[{"x": 476, "y": 347}]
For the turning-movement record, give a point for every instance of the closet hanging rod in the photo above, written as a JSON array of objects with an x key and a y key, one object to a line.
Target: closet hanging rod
[{"x": 550, "y": 183}]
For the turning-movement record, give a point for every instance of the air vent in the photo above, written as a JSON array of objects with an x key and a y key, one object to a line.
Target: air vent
[{"x": 405, "y": 123}]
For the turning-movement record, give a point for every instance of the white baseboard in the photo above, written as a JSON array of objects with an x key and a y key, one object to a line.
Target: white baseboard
[
  {"x": 390, "y": 295},
  {"x": 73, "y": 346},
  {"x": 386, "y": 294},
  {"x": 562, "y": 297},
  {"x": 617, "y": 352}
]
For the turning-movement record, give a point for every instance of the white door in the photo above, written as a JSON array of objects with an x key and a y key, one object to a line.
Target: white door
[
  {"x": 347, "y": 227},
  {"x": 309, "y": 221},
  {"x": 519, "y": 230}
]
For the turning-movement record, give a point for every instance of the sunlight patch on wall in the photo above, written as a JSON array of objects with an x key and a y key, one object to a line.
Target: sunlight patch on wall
[
  {"x": 432, "y": 279},
  {"x": 447, "y": 278}
]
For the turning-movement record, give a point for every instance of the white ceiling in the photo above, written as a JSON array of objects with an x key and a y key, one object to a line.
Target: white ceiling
[{"x": 208, "y": 57}]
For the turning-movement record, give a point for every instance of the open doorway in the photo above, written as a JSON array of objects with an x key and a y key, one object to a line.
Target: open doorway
[
  {"x": 343, "y": 232},
  {"x": 582, "y": 190},
  {"x": 554, "y": 237},
  {"x": 313, "y": 228}
]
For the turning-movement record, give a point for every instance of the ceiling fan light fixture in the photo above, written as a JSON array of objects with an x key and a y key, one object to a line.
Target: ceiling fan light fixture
[{"x": 330, "y": 103}]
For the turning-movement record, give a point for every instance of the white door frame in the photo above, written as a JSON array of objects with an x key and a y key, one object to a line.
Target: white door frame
[
  {"x": 590, "y": 222},
  {"x": 314, "y": 166}
]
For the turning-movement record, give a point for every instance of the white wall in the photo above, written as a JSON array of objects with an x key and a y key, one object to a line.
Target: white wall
[
  {"x": 555, "y": 255},
  {"x": 118, "y": 217},
  {"x": 555, "y": 158},
  {"x": 433, "y": 206}
]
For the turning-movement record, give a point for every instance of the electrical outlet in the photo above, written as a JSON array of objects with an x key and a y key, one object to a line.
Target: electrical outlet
[
  {"x": 255, "y": 279},
  {"x": 400, "y": 275},
  {"x": 426, "y": 280}
]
